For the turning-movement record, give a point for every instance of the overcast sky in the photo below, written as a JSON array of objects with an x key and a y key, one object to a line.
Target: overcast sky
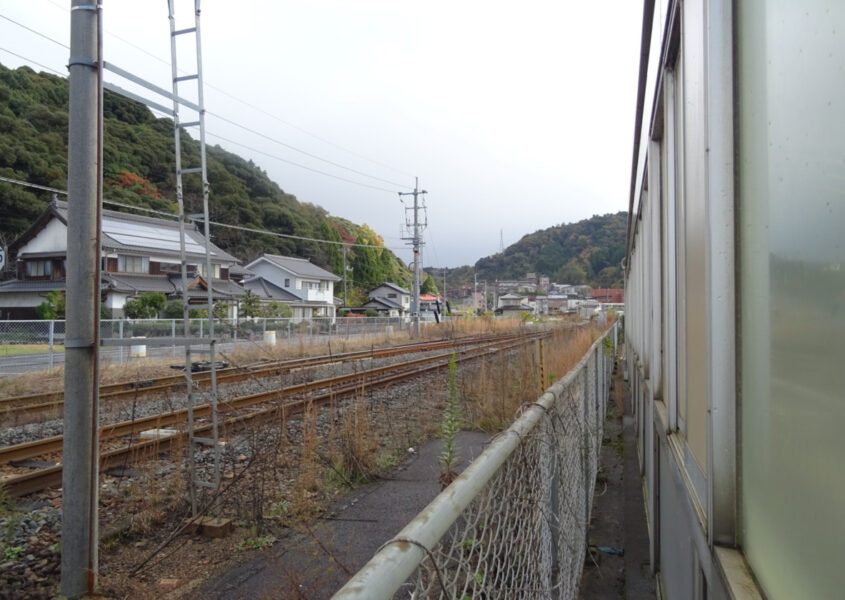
[{"x": 516, "y": 116}]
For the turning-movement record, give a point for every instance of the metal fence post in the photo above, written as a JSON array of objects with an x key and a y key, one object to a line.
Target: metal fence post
[
  {"x": 120, "y": 335},
  {"x": 173, "y": 336},
  {"x": 52, "y": 328}
]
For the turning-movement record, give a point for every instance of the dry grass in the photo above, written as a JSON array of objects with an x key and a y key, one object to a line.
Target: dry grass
[
  {"x": 255, "y": 352},
  {"x": 295, "y": 469},
  {"x": 494, "y": 392}
]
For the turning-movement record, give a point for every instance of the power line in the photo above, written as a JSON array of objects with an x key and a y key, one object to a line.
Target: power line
[
  {"x": 301, "y": 166},
  {"x": 38, "y": 33},
  {"x": 215, "y": 223},
  {"x": 252, "y": 106},
  {"x": 29, "y": 60},
  {"x": 254, "y": 132},
  {"x": 275, "y": 141},
  {"x": 279, "y": 158},
  {"x": 299, "y": 237}
]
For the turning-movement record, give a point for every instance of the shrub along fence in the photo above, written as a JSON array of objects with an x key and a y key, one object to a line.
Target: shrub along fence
[{"x": 514, "y": 524}]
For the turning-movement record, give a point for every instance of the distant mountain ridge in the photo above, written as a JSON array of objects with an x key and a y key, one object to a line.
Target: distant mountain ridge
[
  {"x": 139, "y": 170},
  {"x": 587, "y": 252}
]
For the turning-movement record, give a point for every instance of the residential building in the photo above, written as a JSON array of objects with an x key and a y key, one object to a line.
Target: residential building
[
  {"x": 307, "y": 288},
  {"x": 733, "y": 315},
  {"x": 431, "y": 303},
  {"x": 512, "y": 305},
  {"x": 139, "y": 254},
  {"x": 605, "y": 295},
  {"x": 390, "y": 298}
]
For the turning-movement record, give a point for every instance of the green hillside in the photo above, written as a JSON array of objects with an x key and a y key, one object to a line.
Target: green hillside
[
  {"x": 138, "y": 158},
  {"x": 587, "y": 252}
]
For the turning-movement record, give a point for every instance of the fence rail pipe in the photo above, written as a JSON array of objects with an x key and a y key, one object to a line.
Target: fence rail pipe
[{"x": 397, "y": 560}]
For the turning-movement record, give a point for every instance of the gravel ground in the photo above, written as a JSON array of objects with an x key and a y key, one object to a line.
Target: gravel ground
[
  {"x": 146, "y": 406},
  {"x": 269, "y": 487}
]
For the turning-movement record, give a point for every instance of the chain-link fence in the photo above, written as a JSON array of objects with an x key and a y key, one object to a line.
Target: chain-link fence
[
  {"x": 31, "y": 345},
  {"x": 514, "y": 524}
]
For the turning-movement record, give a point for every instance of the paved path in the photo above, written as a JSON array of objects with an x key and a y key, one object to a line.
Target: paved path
[
  {"x": 317, "y": 565},
  {"x": 618, "y": 521}
]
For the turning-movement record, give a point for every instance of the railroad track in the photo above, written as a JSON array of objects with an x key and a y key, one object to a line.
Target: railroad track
[
  {"x": 271, "y": 404},
  {"x": 16, "y": 408}
]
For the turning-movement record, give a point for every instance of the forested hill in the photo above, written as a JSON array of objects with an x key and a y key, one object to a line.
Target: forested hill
[
  {"x": 586, "y": 252},
  {"x": 138, "y": 158}
]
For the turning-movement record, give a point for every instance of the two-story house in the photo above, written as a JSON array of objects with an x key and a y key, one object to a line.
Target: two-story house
[
  {"x": 139, "y": 254},
  {"x": 390, "y": 299},
  {"x": 307, "y": 288},
  {"x": 512, "y": 305}
]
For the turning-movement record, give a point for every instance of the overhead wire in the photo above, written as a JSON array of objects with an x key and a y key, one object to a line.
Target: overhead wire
[
  {"x": 267, "y": 154},
  {"x": 254, "y": 107},
  {"x": 29, "y": 60},
  {"x": 38, "y": 33},
  {"x": 286, "y": 145},
  {"x": 215, "y": 223},
  {"x": 254, "y": 132},
  {"x": 300, "y": 165}
]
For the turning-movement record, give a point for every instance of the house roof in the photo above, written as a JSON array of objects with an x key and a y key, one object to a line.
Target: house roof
[
  {"x": 399, "y": 289},
  {"x": 385, "y": 301},
  {"x": 27, "y": 285},
  {"x": 380, "y": 303},
  {"x": 139, "y": 283},
  {"x": 301, "y": 267},
  {"x": 267, "y": 290},
  {"x": 134, "y": 234},
  {"x": 511, "y": 296},
  {"x": 197, "y": 287},
  {"x": 237, "y": 269}
]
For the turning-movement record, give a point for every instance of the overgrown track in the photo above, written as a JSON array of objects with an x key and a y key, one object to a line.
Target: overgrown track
[
  {"x": 236, "y": 413},
  {"x": 15, "y": 408}
]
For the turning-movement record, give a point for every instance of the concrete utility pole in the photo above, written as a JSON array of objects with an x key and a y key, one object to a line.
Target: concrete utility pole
[
  {"x": 80, "y": 455},
  {"x": 345, "y": 301},
  {"x": 416, "y": 241}
]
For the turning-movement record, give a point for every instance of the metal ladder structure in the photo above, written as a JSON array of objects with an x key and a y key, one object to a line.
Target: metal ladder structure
[{"x": 196, "y": 121}]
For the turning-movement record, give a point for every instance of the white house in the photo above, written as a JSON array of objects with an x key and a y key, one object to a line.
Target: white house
[
  {"x": 390, "y": 298},
  {"x": 139, "y": 254},
  {"x": 307, "y": 288},
  {"x": 512, "y": 305}
]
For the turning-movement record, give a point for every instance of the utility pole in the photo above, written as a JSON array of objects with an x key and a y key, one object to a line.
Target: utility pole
[
  {"x": 444, "y": 290},
  {"x": 475, "y": 290},
  {"x": 416, "y": 241},
  {"x": 80, "y": 454},
  {"x": 345, "y": 301}
]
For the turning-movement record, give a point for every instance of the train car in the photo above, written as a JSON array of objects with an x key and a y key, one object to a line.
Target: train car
[{"x": 733, "y": 277}]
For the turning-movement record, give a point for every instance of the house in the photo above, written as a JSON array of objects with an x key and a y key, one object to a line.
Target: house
[
  {"x": 391, "y": 299},
  {"x": 430, "y": 303},
  {"x": 385, "y": 307},
  {"x": 512, "y": 305},
  {"x": 307, "y": 288},
  {"x": 139, "y": 254},
  {"x": 609, "y": 295}
]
